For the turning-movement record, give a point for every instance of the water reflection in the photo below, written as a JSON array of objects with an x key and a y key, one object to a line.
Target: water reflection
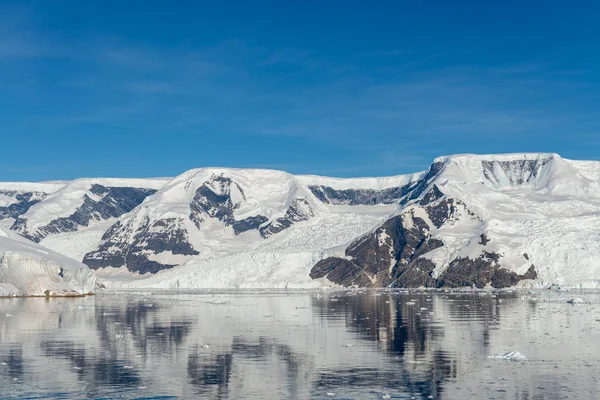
[{"x": 299, "y": 345}]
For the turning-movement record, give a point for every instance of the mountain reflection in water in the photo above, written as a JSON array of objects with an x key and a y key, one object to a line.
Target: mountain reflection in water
[{"x": 300, "y": 345}]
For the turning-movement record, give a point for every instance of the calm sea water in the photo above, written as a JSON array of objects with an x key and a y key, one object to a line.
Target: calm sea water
[{"x": 301, "y": 345}]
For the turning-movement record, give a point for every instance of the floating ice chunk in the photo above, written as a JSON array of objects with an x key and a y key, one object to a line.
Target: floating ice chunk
[
  {"x": 205, "y": 346},
  {"x": 386, "y": 396},
  {"x": 348, "y": 345},
  {"x": 77, "y": 368},
  {"x": 3, "y": 363},
  {"x": 511, "y": 356},
  {"x": 330, "y": 394},
  {"x": 410, "y": 303},
  {"x": 528, "y": 298},
  {"x": 8, "y": 315},
  {"x": 576, "y": 300},
  {"x": 128, "y": 366}
]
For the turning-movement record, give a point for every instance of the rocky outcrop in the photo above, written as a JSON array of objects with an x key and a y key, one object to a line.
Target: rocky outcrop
[
  {"x": 300, "y": 210},
  {"x": 214, "y": 199},
  {"x": 133, "y": 245},
  {"x": 100, "y": 204},
  {"x": 355, "y": 197},
  {"x": 22, "y": 202},
  {"x": 395, "y": 254}
]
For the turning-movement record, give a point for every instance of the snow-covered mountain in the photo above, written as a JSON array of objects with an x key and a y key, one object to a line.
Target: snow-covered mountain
[
  {"x": 469, "y": 220},
  {"x": 484, "y": 220}
]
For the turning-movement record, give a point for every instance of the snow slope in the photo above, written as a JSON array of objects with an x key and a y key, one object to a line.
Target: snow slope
[
  {"x": 540, "y": 205},
  {"x": 50, "y": 212},
  {"x": 489, "y": 220},
  {"x": 251, "y": 221},
  {"x": 499, "y": 220},
  {"x": 28, "y": 269}
]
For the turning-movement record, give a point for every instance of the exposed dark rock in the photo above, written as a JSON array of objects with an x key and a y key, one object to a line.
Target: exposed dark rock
[
  {"x": 419, "y": 188},
  {"x": 115, "y": 202},
  {"x": 248, "y": 224},
  {"x": 340, "y": 271},
  {"x": 24, "y": 201},
  {"x": 432, "y": 195},
  {"x": 517, "y": 171},
  {"x": 123, "y": 246},
  {"x": 526, "y": 256},
  {"x": 378, "y": 258},
  {"x": 354, "y": 197},
  {"x": 300, "y": 210},
  {"x": 213, "y": 199},
  {"x": 484, "y": 240},
  {"x": 393, "y": 255},
  {"x": 416, "y": 274},
  {"x": 441, "y": 211}
]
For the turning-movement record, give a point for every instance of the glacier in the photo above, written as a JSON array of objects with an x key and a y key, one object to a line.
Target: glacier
[
  {"x": 500, "y": 220},
  {"x": 28, "y": 269}
]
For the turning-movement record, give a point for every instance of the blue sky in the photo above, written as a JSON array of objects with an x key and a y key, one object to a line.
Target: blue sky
[{"x": 344, "y": 88}]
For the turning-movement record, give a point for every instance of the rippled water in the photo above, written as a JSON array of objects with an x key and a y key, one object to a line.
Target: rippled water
[{"x": 300, "y": 345}]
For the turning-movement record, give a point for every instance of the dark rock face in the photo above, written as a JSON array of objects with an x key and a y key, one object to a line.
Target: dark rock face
[
  {"x": 432, "y": 195},
  {"x": 114, "y": 202},
  {"x": 393, "y": 254},
  {"x": 354, "y": 197},
  {"x": 24, "y": 200},
  {"x": 122, "y": 245},
  {"x": 249, "y": 224},
  {"x": 376, "y": 259},
  {"x": 480, "y": 272},
  {"x": 421, "y": 186},
  {"x": 517, "y": 171},
  {"x": 299, "y": 211},
  {"x": 133, "y": 244},
  {"x": 484, "y": 240},
  {"x": 213, "y": 200}
]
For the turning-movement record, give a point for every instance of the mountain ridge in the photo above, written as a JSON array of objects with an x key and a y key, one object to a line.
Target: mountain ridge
[{"x": 468, "y": 220}]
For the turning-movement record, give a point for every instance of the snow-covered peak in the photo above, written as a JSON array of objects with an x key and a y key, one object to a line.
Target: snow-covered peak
[
  {"x": 65, "y": 200},
  {"x": 255, "y": 191}
]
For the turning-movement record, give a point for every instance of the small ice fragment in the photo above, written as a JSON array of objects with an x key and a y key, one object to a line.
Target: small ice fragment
[
  {"x": 205, "y": 346},
  {"x": 528, "y": 298},
  {"x": 128, "y": 366},
  {"x": 15, "y": 379},
  {"x": 141, "y": 387},
  {"x": 348, "y": 345},
  {"x": 119, "y": 336},
  {"x": 577, "y": 300},
  {"x": 3, "y": 363},
  {"x": 410, "y": 303},
  {"x": 330, "y": 394},
  {"x": 511, "y": 356},
  {"x": 386, "y": 396},
  {"x": 77, "y": 368}
]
